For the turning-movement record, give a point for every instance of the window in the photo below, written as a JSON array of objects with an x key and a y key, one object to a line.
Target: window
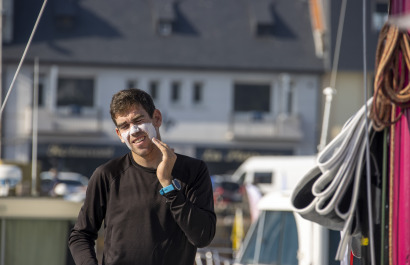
[
  {"x": 263, "y": 177},
  {"x": 164, "y": 28},
  {"x": 65, "y": 14},
  {"x": 288, "y": 97},
  {"x": 252, "y": 97},
  {"x": 242, "y": 178},
  {"x": 175, "y": 92},
  {"x": 41, "y": 90},
  {"x": 273, "y": 240},
  {"x": 165, "y": 17},
  {"x": 289, "y": 106},
  {"x": 132, "y": 84},
  {"x": 380, "y": 14},
  {"x": 153, "y": 89},
  {"x": 264, "y": 30},
  {"x": 7, "y": 19},
  {"x": 78, "y": 92},
  {"x": 197, "y": 95},
  {"x": 262, "y": 17}
]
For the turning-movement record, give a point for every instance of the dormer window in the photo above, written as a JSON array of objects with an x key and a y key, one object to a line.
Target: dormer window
[
  {"x": 164, "y": 17},
  {"x": 262, "y": 19},
  {"x": 65, "y": 13},
  {"x": 164, "y": 28},
  {"x": 7, "y": 21},
  {"x": 264, "y": 29}
]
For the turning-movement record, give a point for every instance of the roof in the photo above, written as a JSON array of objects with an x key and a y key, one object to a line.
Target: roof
[{"x": 207, "y": 34}]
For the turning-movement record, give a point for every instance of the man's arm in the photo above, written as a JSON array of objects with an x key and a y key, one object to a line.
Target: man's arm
[
  {"x": 82, "y": 238},
  {"x": 193, "y": 208}
]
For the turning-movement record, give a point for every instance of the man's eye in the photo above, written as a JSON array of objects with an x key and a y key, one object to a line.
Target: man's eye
[{"x": 123, "y": 127}]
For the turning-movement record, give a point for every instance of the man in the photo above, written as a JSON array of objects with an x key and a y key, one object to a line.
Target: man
[{"x": 157, "y": 206}]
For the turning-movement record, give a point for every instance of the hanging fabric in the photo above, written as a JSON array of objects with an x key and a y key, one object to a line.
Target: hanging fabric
[{"x": 329, "y": 192}]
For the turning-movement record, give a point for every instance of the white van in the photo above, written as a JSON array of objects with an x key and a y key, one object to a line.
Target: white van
[
  {"x": 273, "y": 173},
  {"x": 281, "y": 236}
]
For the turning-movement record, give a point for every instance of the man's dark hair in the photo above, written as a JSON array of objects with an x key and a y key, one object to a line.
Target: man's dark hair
[{"x": 123, "y": 100}]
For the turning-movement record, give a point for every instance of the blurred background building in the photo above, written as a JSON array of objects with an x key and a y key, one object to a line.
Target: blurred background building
[{"x": 232, "y": 79}]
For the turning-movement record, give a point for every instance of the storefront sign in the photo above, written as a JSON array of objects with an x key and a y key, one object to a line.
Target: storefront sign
[
  {"x": 55, "y": 150},
  {"x": 222, "y": 155}
]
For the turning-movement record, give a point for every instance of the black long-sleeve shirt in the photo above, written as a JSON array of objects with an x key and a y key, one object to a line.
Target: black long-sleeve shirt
[{"x": 142, "y": 226}]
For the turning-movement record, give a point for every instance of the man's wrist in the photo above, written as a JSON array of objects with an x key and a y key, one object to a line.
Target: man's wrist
[{"x": 174, "y": 186}]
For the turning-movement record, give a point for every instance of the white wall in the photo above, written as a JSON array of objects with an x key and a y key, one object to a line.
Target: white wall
[
  {"x": 349, "y": 98},
  {"x": 205, "y": 123}
]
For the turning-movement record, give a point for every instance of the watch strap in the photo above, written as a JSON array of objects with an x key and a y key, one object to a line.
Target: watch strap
[
  {"x": 175, "y": 185},
  {"x": 167, "y": 189}
]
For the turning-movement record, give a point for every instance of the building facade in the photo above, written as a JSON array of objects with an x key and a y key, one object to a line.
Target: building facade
[
  {"x": 232, "y": 79},
  {"x": 221, "y": 117}
]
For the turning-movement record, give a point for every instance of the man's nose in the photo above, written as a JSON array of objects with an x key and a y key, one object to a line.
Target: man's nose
[{"x": 134, "y": 129}]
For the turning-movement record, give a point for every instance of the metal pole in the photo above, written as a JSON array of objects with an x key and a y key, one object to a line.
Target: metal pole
[
  {"x": 35, "y": 129},
  {"x": 3, "y": 241},
  {"x": 1, "y": 75},
  {"x": 329, "y": 92}
]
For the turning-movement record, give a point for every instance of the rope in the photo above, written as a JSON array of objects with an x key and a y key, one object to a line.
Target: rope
[
  {"x": 391, "y": 193},
  {"x": 383, "y": 204},
  {"x": 367, "y": 153},
  {"x": 392, "y": 64},
  {"x": 23, "y": 57}
]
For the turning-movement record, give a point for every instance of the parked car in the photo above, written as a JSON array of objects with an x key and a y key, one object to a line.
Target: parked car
[
  {"x": 63, "y": 184},
  {"x": 10, "y": 177},
  {"x": 226, "y": 190}
]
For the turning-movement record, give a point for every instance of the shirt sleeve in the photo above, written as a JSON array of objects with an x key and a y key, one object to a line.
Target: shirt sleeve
[
  {"x": 82, "y": 237},
  {"x": 193, "y": 207}
]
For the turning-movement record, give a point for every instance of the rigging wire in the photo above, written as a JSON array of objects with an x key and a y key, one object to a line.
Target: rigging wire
[
  {"x": 23, "y": 57},
  {"x": 330, "y": 91},
  {"x": 338, "y": 44},
  {"x": 368, "y": 186}
]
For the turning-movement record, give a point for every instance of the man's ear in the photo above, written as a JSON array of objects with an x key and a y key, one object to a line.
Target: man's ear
[
  {"x": 157, "y": 118},
  {"x": 119, "y": 134}
]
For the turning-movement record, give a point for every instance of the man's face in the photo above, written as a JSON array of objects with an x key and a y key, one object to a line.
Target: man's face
[{"x": 135, "y": 128}]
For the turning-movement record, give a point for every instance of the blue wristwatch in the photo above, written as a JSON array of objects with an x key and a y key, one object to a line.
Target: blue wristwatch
[{"x": 175, "y": 185}]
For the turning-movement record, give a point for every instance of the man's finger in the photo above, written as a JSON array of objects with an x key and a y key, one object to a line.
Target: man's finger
[{"x": 160, "y": 144}]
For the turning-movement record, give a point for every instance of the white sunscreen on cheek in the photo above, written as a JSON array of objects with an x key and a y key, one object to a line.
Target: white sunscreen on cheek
[{"x": 148, "y": 128}]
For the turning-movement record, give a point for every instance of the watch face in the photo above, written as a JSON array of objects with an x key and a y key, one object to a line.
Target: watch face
[{"x": 177, "y": 184}]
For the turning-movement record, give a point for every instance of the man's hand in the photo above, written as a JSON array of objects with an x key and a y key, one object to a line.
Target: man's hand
[{"x": 166, "y": 165}]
